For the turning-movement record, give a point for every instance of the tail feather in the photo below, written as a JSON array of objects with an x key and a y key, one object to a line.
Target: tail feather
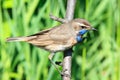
[{"x": 20, "y": 39}]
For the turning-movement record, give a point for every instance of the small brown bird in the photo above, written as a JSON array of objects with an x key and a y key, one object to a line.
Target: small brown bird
[{"x": 58, "y": 38}]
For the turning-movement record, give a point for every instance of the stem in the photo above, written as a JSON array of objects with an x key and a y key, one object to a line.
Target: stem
[
  {"x": 68, "y": 53},
  {"x": 58, "y": 19}
]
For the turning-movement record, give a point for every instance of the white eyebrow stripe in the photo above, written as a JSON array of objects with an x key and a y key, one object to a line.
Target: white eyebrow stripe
[{"x": 81, "y": 24}]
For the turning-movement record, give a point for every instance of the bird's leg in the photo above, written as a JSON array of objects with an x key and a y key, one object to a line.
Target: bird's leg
[{"x": 50, "y": 58}]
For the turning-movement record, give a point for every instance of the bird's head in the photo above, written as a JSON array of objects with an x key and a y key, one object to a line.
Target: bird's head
[{"x": 81, "y": 26}]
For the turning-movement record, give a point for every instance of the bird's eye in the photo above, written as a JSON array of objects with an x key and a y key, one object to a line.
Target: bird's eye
[{"x": 83, "y": 26}]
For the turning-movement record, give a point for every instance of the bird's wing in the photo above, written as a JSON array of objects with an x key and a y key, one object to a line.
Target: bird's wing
[
  {"x": 62, "y": 33},
  {"x": 42, "y": 32},
  {"x": 57, "y": 35},
  {"x": 41, "y": 38}
]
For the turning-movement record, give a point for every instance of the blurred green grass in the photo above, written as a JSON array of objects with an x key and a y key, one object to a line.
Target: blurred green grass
[{"x": 97, "y": 58}]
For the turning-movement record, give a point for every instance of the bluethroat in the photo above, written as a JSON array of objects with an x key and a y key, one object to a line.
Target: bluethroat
[{"x": 58, "y": 38}]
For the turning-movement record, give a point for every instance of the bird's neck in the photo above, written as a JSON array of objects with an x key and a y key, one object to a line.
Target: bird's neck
[{"x": 83, "y": 31}]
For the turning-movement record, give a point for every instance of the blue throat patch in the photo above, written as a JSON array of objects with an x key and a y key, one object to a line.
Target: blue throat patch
[
  {"x": 79, "y": 39},
  {"x": 83, "y": 31}
]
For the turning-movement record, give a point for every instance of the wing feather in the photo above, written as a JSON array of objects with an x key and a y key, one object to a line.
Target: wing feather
[{"x": 56, "y": 35}]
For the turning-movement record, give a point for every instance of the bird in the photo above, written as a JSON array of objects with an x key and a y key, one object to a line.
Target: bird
[{"x": 58, "y": 38}]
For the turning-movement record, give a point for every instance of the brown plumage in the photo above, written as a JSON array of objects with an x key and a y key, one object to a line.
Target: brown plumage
[{"x": 58, "y": 38}]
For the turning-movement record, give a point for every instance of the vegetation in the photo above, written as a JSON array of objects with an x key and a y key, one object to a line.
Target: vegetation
[{"x": 97, "y": 58}]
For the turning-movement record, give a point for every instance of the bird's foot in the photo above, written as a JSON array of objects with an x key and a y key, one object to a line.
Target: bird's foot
[{"x": 65, "y": 74}]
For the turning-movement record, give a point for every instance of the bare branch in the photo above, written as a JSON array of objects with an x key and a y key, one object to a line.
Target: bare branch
[
  {"x": 58, "y": 19},
  {"x": 68, "y": 53},
  {"x": 70, "y": 9}
]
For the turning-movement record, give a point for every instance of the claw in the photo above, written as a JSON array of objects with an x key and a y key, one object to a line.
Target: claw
[
  {"x": 50, "y": 58},
  {"x": 64, "y": 74}
]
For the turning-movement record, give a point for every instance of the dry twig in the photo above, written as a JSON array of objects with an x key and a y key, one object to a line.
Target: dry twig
[{"x": 68, "y": 53}]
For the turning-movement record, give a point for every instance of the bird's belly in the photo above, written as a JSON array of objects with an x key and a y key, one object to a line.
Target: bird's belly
[
  {"x": 56, "y": 48},
  {"x": 61, "y": 47}
]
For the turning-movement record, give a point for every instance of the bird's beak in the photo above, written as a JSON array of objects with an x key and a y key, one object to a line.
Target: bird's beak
[{"x": 94, "y": 29}]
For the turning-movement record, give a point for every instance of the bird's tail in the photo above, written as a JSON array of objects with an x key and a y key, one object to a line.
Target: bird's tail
[{"x": 20, "y": 39}]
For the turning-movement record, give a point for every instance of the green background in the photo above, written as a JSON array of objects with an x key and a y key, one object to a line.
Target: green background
[{"x": 97, "y": 58}]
